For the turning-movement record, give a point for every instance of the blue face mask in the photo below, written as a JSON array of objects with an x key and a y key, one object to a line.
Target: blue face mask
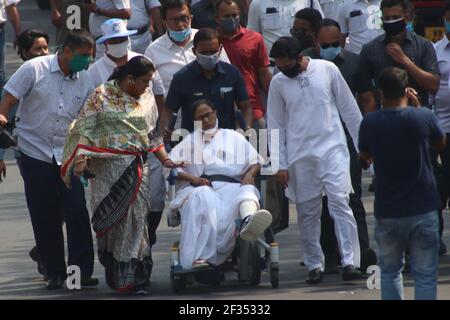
[
  {"x": 330, "y": 53},
  {"x": 447, "y": 27},
  {"x": 180, "y": 36},
  {"x": 409, "y": 27}
]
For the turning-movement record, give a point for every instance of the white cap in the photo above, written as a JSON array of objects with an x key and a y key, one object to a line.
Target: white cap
[{"x": 114, "y": 28}]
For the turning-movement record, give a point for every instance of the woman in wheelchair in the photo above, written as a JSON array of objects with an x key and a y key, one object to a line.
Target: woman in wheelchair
[{"x": 214, "y": 190}]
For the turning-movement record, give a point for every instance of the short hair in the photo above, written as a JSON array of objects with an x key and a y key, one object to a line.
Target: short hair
[
  {"x": 198, "y": 103},
  {"x": 205, "y": 34},
  {"x": 393, "y": 82},
  {"x": 447, "y": 6},
  {"x": 78, "y": 38},
  {"x": 26, "y": 39},
  {"x": 173, "y": 4},
  {"x": 328, "y": 23},
  {"x": 285, "y": 47},
  {"x": 228, "y": 2},
  {"x": 392, "y": 3},
  {"x": 137, "y": 67},
  {"x": 311, "y": 15}
]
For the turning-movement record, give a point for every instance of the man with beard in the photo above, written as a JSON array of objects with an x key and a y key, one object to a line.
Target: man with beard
[{"x": 307, "y": 100}]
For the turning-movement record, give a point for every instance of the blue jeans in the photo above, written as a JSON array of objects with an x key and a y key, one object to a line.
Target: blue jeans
[{"x": 420, "y": 236}]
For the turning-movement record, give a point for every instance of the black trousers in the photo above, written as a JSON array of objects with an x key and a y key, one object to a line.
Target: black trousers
[
  {"x": 328, "y": 239},
  {"x": 47, "y": 196}
]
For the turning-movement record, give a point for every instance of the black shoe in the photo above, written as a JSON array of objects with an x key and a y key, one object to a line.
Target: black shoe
[
  {"x": 89, "y": 282},
  {"x": 40, "y": 266},
  {"x": 314, "y": 276},
  {"x": 351, "y": 273},
  {"x": 368, "y": 258},
  {"x": 442, "y": 248},
  {"x": 55, "y": 283}
]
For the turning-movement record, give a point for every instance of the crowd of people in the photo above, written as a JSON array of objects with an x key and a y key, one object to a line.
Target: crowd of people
[{"x": 341, "y": 86}]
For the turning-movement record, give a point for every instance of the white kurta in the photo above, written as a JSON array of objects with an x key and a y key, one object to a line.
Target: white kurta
[
  {"x": 208, "y": 214},
  {"x": 313, "y": 146}
]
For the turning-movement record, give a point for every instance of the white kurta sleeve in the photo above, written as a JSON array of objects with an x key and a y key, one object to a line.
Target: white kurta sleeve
[
  {"x": 276, "y": 120},
  {"x": 254, "y": 22},
  {"x": 346, "y": 103}
]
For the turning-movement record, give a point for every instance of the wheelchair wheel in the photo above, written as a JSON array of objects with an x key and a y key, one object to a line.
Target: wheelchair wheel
[
  {"x": 254, "y": 267},
  {"x": 177, "y": 282},
  {"x": 274, "y": 276}
]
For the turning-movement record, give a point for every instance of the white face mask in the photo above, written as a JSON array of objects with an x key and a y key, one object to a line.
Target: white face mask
[{"x": 118, "y": 50}]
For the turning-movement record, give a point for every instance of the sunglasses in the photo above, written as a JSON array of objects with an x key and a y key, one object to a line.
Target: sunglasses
[{"x": 327, "y": 45}]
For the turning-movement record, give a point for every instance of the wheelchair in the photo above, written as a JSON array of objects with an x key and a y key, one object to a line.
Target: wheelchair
[{"x": 245, "y": 260}]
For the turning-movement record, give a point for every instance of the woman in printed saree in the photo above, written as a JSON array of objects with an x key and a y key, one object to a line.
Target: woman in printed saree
[
  {"x": 214, "y": 189},
  {"x": 110, "y": 138}
]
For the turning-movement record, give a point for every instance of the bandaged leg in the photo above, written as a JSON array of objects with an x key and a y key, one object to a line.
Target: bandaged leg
[{"x": 254, "y": 221}]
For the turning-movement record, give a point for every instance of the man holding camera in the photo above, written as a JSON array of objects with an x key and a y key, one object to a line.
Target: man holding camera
[{"x": 52, "y": 90}]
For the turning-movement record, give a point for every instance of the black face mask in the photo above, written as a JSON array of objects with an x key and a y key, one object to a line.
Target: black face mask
[
  {"x": 291, "y": 72},
  {"x": 394, "y": 28},
  {"x": 306, "y": 39}
]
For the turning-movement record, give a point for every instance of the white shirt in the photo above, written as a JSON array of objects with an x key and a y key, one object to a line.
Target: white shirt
[
  {"x": 169, "y": 57},
  {"x": 306, "y": 112},
  {"x": 103, "y": 68},
  {"x": 331, "y": 8},
  {"x": 96, "y": 21},
  {"x": 277, "y": 23},
  {"x": 3, "y": 5},
  {"x": 139, "y": 14},
  {"x": 361, "y": 28},
  {"x": 442, "y": 97},
  {"x": 50, "y": 102}
]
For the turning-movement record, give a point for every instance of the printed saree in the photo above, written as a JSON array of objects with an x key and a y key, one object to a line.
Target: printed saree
[{"x": 116, "y": 131}]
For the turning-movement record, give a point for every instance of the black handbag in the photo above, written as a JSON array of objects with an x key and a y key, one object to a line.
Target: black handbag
[{"x": 7, "y": 140}]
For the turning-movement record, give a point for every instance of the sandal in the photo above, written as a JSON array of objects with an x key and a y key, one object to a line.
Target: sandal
[{"x": 200, "y": 264}]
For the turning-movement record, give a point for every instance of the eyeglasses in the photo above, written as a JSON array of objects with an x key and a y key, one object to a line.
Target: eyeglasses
[
  {"x": 207, "y": 115},
  {"x": 182, "y": 19},
  {"x": 327, "y": 45}
]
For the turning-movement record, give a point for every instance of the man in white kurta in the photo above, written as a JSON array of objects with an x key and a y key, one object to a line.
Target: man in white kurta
[
  {"x": 305, "y": 108},
  {"x": 208, "y": 214}
]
